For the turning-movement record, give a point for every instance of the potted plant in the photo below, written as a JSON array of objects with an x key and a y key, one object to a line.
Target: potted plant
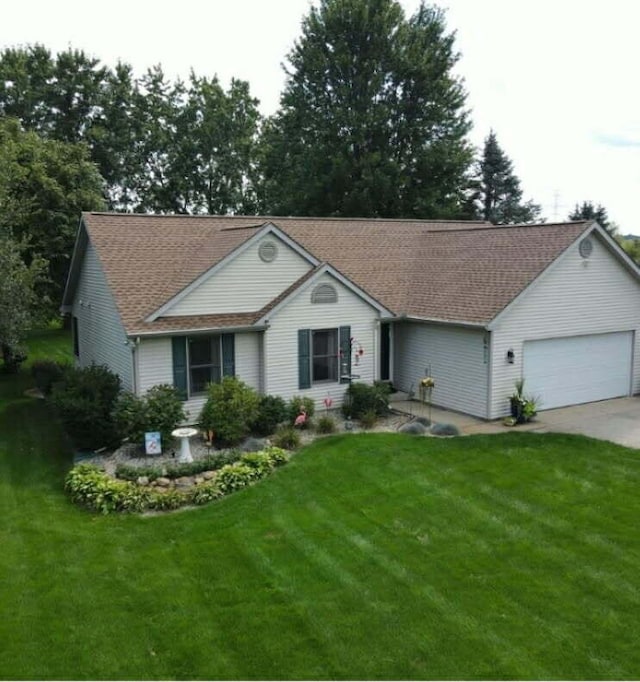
[{"x": 523, "y": 408}]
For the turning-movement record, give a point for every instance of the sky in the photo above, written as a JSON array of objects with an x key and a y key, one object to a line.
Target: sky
[{"x": 557, "y": 80}]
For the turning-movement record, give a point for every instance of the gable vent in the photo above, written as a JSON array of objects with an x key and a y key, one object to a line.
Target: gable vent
[
  {"x": 324, "y": 293},
  {"x": 268, "y": 251}
]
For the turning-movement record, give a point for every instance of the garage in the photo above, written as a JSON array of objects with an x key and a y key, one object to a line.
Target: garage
[{"x": 578, "y": 369}]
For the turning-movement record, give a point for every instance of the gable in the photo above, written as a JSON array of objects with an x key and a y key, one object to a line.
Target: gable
[
  {"x": 578, "y": 294},
  {"x": 247, "y": 282}
]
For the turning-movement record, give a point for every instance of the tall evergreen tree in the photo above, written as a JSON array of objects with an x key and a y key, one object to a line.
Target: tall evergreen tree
[
  {"x": 589, "y": 211},
  {"x": 372, "y": 120},
  {"x": 498, "y": 195}
]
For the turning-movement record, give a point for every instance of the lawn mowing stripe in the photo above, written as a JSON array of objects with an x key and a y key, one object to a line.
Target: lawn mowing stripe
[{"x": 447, "y": 609}]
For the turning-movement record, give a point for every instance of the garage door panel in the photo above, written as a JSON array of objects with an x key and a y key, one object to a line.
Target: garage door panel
[{"x": 578, "y": 369}]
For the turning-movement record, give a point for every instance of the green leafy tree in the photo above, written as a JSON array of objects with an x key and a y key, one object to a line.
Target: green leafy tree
[
  {"x": 19, "y": 306},
  {"x": 589, "y": 211},
  {"x": 45, "y": 185},
  {"x": 215, "y": 164},
  {"x": 498, "y": 195},
  {"x": 372, "y": 120}
]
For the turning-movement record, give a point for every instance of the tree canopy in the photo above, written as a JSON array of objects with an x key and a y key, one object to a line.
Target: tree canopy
[
  {"x": 589, "y": 211},
  {"x": 44, "y": 186},
  {"x": 372, "y": 120},
  {"x": 497, "y": 195}
]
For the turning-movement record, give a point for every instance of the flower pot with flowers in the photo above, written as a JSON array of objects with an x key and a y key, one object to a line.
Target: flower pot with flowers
[{"x": 523, "y": 408}]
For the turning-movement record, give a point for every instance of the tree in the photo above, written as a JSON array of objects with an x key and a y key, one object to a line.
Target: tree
[
  {"x": 589, "y": 211},
  {"x": 44, "y": 186},
  {"x": 372, "y": 121},
  {"x": 19, "y": 304},
  {"x": 214, "y": 167},
  {"x": 498, "y": 196}
]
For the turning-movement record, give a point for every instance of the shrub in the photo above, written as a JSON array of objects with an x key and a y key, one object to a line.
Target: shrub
[
  {"x": 444, "y": 430},
  {"x": 277, "y": 455},
  {"x": 165, "y": 410},
  {"x": 272, "y": 410},
  {"x": 84, "y": 400},
  {"x": 46, "y": 373},
  {"x": 325, "y": 424},
  {"x": 286, "y": 437},
  {"x": 207, "y": 492},
  {"x": 299, "y": 403},
  {"x": 160, "y": 409},
  {"x": 130, "y": 417},
  {"x": 361, "y": 398},
  {"x": 230, "y": 409},
  {"x": 92, "y": 488},
  {"x": 368, "y": 419}
]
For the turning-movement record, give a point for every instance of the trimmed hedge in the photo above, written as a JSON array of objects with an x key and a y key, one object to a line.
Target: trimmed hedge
[
  {"x": 94, "y": 489},
  {"x": 209, "y": 463}
]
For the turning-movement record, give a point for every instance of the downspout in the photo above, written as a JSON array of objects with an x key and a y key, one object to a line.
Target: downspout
[
  {"x": 134, "y": 343},
  {"x": 489, "y": 351}
]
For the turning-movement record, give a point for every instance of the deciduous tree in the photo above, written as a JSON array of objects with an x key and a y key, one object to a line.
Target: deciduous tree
[{"x": 372, "y": 119}]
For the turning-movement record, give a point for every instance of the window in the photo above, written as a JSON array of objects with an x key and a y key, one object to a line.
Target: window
[
  {"x": 76, "y": 338},
  {"x": 324, "y": 361},
  {"x": 204, "y": 362},
  {"x": 324, "y": 293}
]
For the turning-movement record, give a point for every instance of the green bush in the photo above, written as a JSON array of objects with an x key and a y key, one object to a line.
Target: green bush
[
  {"x": 325, "y": 424},
  {"x": 46, "y": 373},
  {"x": 368, "y": 419},
  {"x": 93, "y": 488},
  {"x": 277, "y": 455},
  {"x": 260, "y": 461},
  {"x": 230, "y": 409},
  {"x": 286, "y": 437},
  {"x": 165, "y": 410},
  {"x": 130, "y": 417},
  {"x": 84, "y": 400},
  {"x": 235, "y": 476},
  {"x": 166, "y": 500},
  {"x": 207, "y": 492},
  {"x": 299, "y": 403},
  {"x": 160, "y": 409},
  {"x": 361, "y": 398},
  {"x": 272, "y": 411}
]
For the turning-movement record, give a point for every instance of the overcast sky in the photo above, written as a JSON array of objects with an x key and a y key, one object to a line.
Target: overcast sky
[{"x": 558, "y": 80}]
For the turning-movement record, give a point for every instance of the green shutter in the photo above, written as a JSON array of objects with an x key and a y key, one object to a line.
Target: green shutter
[
  {"x": 304, "y": 358},
  {"x": 179, "y": 353},
  {"x": 228, "y": 355},
  {"x": 345, "y": 355}
]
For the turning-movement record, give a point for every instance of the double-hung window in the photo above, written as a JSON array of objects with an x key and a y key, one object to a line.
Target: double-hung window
[
  {"x": 205, "y": 362},
  {"x": 325, "y": 355}
]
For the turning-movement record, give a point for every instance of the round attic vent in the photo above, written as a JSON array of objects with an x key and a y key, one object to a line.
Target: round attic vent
[
  {"x": 268, "y": 251},
  {"x": 586, "y": 247}
]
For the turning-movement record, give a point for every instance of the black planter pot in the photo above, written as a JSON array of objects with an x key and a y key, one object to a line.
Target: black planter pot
[{"x": 517, "y": 410}]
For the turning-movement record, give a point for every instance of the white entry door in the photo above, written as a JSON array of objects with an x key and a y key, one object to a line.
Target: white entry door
[{"x": 578, "y": 369}]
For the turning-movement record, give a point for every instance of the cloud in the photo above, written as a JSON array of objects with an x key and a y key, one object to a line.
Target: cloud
[{"x": 617, "y": 139}]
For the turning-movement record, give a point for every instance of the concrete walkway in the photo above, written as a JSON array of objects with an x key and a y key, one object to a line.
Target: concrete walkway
[{"x": 617, "y": 420}]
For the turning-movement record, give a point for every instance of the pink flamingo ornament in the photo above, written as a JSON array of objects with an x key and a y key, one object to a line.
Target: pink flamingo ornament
[{"x": 301, "y": 419}]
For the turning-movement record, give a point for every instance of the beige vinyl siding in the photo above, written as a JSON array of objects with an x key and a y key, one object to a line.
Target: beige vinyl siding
[
  {"x": 245, "y": 284},
  {"x": 575, "y": 296},
  {"x": 458, "y": 361},
  {"x": 101, "y": 336},
  {"x": 155, "y": 366},
  {"x": 281, "y": 340}
]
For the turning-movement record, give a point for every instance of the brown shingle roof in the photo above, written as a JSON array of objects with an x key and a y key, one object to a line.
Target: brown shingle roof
[{"x": 456, "y": 271}]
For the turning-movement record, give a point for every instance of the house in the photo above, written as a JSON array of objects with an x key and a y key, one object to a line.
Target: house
[{"x": 293, "y": 306}]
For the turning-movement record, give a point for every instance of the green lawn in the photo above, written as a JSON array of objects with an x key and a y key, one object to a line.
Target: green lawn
[{"x": 376, "y": 556}]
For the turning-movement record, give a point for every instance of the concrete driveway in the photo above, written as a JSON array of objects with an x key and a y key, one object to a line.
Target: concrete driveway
[{"x": 617, "y": 420}]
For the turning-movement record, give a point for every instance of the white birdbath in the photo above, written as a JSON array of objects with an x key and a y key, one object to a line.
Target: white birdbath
[{"x": 185, "y": 451}]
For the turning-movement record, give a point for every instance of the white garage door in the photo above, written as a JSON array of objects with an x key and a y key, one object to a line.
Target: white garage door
[{"x": 578, "y": 369}]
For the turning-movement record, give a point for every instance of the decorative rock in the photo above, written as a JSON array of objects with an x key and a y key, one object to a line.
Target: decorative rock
[
  {"x": 445, "y": 430},
  {"x": 142, "y": 480},
  {"x": 423, "y": 420},
  {"x": 414, "y": 428},
  {"x": 198, "y": 480},
  {"x": 184, "y": 482},
  {"x": 209, "y": 475},
  {"x": 253, "y": 445},
  {"x": 163, "y": 482}
]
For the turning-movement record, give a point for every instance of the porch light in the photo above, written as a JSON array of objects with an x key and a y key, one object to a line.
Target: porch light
[{"x": 511, "y": 356}]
